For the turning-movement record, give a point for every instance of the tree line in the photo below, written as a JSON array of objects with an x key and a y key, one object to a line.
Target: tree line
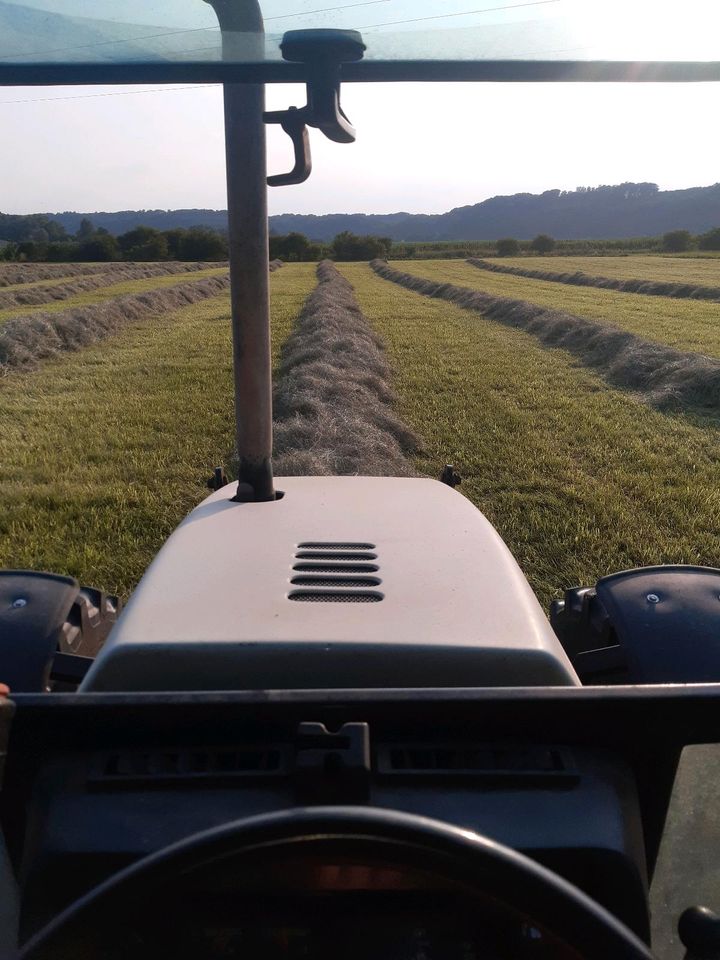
[
  {"x": 49, "y": 243},
  {"x": 674, "y": 241},
  {"x": 96, "y": 244},
  {"x": 345, "y": 246},
  {"x": 89, "y": 243}
]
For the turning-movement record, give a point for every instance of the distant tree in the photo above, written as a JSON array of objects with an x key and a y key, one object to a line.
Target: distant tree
[
  {"x": 86, "y": 230},
  {"x": 676, "y": 241},
  {"x": 36, "y": 248},
  {"x": 710, "y": 240},
  {"x": 40, "y": 235},
  {"x": 8, "y": 251},
  {"x": 542, "y": 244},
  {"x": 99, "y": 248},
  {"x": 55, "y": 230},
  {"x": 30, "y": 250},
  {"x": 290, "y": 246},
  {"x": 64, "y": 252},
  {"x": 202, "y": 243},
  {"x": 174, "y": 239},
  {"x": 508, "y": 247},
  {"x": 143, "y": 243},
  {"x": 349, "y": 246},
  {"x": 296, "y": 245}
]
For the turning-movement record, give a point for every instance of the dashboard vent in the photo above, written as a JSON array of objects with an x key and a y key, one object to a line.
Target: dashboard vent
[
  {"x": 331, "y": 569},
  {"x": 491, "y": 761},
  {"x": 132, "y": 768}
]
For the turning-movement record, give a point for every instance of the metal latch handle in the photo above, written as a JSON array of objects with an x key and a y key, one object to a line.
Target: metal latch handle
[{"x": 323, "y": 51}]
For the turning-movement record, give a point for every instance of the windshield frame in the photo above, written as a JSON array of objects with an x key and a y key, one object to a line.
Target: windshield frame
[{"x": 365, "y": 71}]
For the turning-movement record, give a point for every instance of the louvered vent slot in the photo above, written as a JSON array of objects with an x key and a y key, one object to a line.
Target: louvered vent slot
[
  {"x": 334, "y": 555},
  {"x": 335, "y": 596},
  {"x": 331, "y": 568},
  {"x": 335, "y": 581},
  {"x": 477, "y": 761},
  {"x": 171, "y": 766},
  {"x": 308, "y": 545},
  {"x": 337, "y": 567}
]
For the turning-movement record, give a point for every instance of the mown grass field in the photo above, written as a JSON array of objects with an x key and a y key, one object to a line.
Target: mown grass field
[
  {"x": 113, "y": 289},
  {"x": 702, "y": 271},
  {"x": 579, "y": 479},
  {"x": 102, "y": 452},
  {"x": 685, "y": 324}
]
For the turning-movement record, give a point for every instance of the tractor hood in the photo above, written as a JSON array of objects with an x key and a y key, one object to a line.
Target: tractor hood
[{"x": 346, "y": 582}]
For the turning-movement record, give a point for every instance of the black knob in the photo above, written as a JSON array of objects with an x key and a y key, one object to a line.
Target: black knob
[{"x": 699, "y": 930}]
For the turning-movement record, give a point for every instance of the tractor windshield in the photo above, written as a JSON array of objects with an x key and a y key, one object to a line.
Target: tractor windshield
[{"x": 186, "y": 31}]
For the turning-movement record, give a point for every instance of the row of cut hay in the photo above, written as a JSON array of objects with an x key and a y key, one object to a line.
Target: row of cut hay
[
  {"x": 655, "y": 288},
  {"x": 662, "y": 376},
  {"x": 25, "y": 340},
  {"x": 334, "y": 406},
  {"x": 35, "y": 295},
  {"x": 14, "y": 274}
]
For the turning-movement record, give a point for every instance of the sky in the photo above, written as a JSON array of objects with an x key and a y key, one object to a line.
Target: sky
[{"x": 420, "y": 147}]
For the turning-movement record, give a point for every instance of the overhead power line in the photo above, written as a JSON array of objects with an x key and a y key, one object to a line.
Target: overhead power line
[
  {"x": 462, "y": 13},
  {"x": 287, "y": 16},
  {"x": 116, "y": 93},
  {"x": 176, "y": 33}
]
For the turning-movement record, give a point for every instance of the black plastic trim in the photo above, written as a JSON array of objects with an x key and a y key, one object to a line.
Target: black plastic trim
[
  {"x": 678, "y": 714},
  {"x": 365, "y": 71}
]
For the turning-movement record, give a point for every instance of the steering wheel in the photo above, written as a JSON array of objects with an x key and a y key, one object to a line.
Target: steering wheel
[{"x": 479, "y": 869}]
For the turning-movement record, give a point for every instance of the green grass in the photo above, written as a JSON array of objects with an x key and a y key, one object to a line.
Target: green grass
[
  {"x": 580, "y": 480},
  {"x": 104, "y": 451},
  {"x": 685, "y": 324},
  {"x": 112, "y": 290},
  {"x": 703, "y": 272}
]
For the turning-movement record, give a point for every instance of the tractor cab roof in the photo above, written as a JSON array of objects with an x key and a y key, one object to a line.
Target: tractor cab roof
[{"x": 67, "y": 41}]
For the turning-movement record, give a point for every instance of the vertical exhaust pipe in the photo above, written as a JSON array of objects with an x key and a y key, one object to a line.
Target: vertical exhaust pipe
[{"x": 243, "y": 37}]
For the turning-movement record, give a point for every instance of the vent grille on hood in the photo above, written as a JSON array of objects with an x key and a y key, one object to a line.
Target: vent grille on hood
[
  {"x": 328, "y": 567},
  {"x": 309, "y": 545},
  {"x": 325, "y": 581},
  {"x": 337, "y": 555},
  {"x": 337, "y": 567},
  {"x": 335, "y": 596}
]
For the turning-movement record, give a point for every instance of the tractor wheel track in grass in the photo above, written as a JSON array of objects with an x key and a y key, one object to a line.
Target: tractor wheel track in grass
[
  {"x": 659, "y": 375},
  {"x": 654, "y": 288}
]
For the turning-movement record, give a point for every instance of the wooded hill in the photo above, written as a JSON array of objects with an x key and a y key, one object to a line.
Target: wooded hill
[{"x": 624, "y": 210}]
